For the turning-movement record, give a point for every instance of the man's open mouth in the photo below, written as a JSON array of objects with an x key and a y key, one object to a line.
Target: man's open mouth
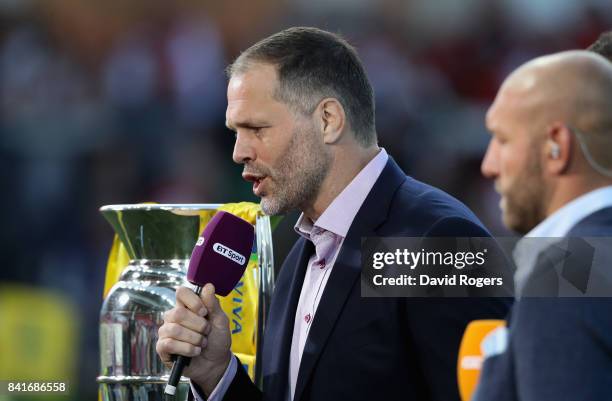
[{"x": 256, "y": 180}]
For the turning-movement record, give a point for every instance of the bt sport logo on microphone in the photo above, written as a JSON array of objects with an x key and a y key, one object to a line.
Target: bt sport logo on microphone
[{"x": 229, "y": 253}]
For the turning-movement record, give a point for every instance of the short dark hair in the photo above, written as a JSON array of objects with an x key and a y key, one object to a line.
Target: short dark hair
[
  {"x": 603, "y": 45},
  {"x": 313, "y": 64}
]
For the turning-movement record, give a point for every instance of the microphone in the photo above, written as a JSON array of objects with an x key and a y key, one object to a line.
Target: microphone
[
  {"x": 470, "y": 358},
  {"x": 220, "y": 257}
]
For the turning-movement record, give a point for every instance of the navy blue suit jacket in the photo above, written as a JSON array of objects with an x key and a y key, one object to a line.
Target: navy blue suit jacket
[
  {"x": 372, "y": 348},
  {"x": 559, "y": 349}
]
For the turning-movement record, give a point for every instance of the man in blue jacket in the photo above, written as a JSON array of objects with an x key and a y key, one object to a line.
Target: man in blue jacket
[
  {"x": 302, "y": 109},
  {"x": 551, "y": 158}
]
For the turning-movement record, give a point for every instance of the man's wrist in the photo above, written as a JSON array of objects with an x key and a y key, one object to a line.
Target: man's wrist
[{"x": 213, "y": 376}]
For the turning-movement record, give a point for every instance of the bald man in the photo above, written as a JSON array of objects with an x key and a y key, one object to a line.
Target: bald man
[{"x": 551, "y": 158}]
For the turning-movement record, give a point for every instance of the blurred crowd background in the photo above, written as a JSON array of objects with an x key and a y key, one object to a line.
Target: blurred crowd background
[{"x": 105, "y": 102}]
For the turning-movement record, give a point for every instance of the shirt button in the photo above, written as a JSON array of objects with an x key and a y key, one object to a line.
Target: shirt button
[{"x": 307, "y": 318}]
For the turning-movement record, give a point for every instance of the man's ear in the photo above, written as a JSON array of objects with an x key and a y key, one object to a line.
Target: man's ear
[
  {"x": 558, "y": 148},
  {"x": 331, "y": 119}
]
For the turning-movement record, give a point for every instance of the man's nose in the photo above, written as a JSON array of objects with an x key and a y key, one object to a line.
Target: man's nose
[
  {"x": 489, "y": 166},
  {"x": 243, "y": 150}
]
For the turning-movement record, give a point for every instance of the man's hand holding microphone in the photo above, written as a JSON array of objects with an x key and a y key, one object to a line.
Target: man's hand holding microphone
[{"x": 197, "y": 327}]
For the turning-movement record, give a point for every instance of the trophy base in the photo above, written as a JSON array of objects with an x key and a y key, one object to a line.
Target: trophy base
[{"x": 139, "y": 388}]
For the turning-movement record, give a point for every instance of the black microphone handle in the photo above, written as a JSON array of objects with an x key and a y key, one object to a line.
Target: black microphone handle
[{"x": 179, "y": 364}]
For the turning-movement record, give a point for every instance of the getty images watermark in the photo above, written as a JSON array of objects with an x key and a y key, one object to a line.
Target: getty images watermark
[{"x": 486, "y": 267}]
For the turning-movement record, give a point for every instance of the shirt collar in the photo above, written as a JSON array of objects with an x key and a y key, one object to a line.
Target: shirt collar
[
  {"x": 561, "y": 222},
  {"x": 339, "y": 215}
]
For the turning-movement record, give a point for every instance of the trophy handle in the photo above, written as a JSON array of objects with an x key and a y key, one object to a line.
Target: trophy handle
[{"x": 265, "y": 278}]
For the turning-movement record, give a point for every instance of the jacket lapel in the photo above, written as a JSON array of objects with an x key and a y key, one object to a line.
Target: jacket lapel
[{"x": 346, "y": 269}]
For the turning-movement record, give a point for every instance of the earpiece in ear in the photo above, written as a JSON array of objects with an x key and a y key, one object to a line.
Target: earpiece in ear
[{"x": 555, "y": 151}]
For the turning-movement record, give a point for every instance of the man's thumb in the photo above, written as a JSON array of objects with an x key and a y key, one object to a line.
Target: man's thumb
[{"x": 210, "y": 300}]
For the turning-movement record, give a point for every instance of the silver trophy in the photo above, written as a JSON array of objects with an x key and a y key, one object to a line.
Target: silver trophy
[{"x": 159, "y": 239}]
